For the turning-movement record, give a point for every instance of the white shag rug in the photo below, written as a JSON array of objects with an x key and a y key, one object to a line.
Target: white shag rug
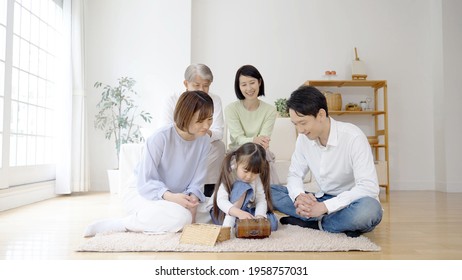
[{"x": 287, "y": 238}]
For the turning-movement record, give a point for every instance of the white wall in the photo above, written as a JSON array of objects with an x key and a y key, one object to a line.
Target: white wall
[
  {"x": 438, "y": 96},
  {"x": 406, "y": 42},
  {"x": 448, "y": 115},
  {"x": 294, "y": 41},
  {"x": 144, "y": 39}
]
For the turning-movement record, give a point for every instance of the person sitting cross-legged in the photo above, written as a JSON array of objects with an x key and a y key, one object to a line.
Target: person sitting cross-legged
[{"x": 339, "y": 156}]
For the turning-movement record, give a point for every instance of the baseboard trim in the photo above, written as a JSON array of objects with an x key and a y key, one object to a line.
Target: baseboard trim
[{"x": 27, "y": 194}]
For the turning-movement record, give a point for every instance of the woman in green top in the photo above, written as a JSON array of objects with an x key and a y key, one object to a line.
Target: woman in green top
[{"x": 250, "y": 119}]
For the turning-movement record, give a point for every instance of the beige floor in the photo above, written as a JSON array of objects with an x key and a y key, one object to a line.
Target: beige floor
[{"x": 416, "y": 225}]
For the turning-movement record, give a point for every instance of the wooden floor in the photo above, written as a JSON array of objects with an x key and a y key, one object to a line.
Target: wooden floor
[{"x": 416, "y": 225}]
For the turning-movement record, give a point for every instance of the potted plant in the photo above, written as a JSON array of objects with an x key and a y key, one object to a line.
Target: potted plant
[
  {"x": 281, "y": 107},
  {"x": 118, "y": 116}
]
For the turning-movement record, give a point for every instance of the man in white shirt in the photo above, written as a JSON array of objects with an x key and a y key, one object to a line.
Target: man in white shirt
[
  {"x": 200, "y": 77},
  {"x": 340, "y": 158}
]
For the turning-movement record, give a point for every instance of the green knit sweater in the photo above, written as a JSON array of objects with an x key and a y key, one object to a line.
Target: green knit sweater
[{"x": 244, "y": 125}]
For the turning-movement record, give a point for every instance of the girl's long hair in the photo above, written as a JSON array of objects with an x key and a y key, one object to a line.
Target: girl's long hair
[{"x": 253, "y": 157}]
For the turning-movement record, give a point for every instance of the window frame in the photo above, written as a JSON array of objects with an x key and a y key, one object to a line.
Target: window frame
[{"x": 32, "y": 172}]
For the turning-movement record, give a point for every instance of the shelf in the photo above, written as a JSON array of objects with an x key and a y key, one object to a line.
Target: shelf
[
  {"x": 379, "y": 116},
  {"x": 373, "y": 113},
  {"x": 348, "y": 83},
  {"x": 378, "y": 146}
]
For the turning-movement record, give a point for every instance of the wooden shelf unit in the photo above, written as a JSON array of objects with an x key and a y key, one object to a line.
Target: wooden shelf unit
[{"x": 380, "y": 116}]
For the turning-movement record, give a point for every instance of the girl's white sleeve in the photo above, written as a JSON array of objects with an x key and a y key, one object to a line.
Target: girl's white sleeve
[
  {"x": 223, "y": 200},
  {"x": 261, "y": 206}
]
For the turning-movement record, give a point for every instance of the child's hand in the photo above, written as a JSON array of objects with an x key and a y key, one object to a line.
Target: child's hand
[{"x": 244, "y": 215}]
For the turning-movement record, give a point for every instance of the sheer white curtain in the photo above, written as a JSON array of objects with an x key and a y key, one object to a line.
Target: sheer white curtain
[{"x": 72, "y": 174}]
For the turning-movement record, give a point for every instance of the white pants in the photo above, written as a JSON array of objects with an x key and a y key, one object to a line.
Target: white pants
[
  {"x": 160, "y": 215},
  {"x": 215, "y": 160}
]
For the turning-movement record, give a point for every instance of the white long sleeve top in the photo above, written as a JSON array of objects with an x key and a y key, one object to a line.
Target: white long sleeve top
[
  {"x": 259, "y": 198},
  {"x": 343, "y": 168},
  {"x": 218, "y": 124},
  {"x": 170, "y": 163}
]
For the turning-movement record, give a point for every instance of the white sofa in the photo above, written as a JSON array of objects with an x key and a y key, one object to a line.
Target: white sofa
[
  {"x": 130, "y": 155},
  {"x": 282, "y": 145}
]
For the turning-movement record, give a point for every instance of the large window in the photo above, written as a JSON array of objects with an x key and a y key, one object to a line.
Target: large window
[{"x": 30, "y": 47}]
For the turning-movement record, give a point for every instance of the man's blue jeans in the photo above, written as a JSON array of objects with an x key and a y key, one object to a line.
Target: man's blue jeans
[{"x": 362, "y": 215}]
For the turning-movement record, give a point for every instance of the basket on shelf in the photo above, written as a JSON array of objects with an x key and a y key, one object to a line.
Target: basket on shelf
[
  {"x": 334, "y": 100},
  {"x": 373, "y": 140},
  {"x": 352, "y": 107}
]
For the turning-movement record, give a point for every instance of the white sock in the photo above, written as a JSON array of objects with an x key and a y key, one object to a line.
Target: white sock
[{"x": 104, "y": 226}]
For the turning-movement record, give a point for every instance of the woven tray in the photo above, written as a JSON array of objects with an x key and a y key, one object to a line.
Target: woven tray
[{"x": 204, "y": 234}]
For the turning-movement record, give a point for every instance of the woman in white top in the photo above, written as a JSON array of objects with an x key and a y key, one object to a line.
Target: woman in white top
[
  {"x": 171, "y": 173},
  {"x": 243, "y": 191}
]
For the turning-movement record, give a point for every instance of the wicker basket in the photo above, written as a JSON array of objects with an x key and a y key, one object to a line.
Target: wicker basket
[
  {"x": 204, "y": 234},
  {"x": 334, "y": 100},
  {"x": 352, "y": 107},
  {"x": 373, "y": 140}
]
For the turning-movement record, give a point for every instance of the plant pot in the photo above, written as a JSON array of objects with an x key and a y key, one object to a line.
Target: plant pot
[{"x": 114, "y": 180}]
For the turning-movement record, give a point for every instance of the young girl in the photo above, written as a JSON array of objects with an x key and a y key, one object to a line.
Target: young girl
[
  {"x": 171, "y": 173},
  {"x": 243, "y": 190}
]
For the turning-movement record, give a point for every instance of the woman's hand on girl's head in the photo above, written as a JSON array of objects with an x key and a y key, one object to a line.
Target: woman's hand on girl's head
[{"x": 262, "y": 141}]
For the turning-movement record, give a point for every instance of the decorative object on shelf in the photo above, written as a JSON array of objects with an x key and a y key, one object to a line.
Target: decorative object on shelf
[
  {"x": 369, "y": 102},
  {"x": 118, "y": 113},
  {"x": 363, "y": 105},
  {"x": 334, "y": 100},
  {"x": 373, "y": 140},
  {"x": 281, "y": 107},
  {"x": 377, "y": 111},
  {"x": 358, "y": 71},
  {"x": 382, "y": 172},
  {"x": 352, "y": 107},
  {"x": 330, "y": 74}
]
